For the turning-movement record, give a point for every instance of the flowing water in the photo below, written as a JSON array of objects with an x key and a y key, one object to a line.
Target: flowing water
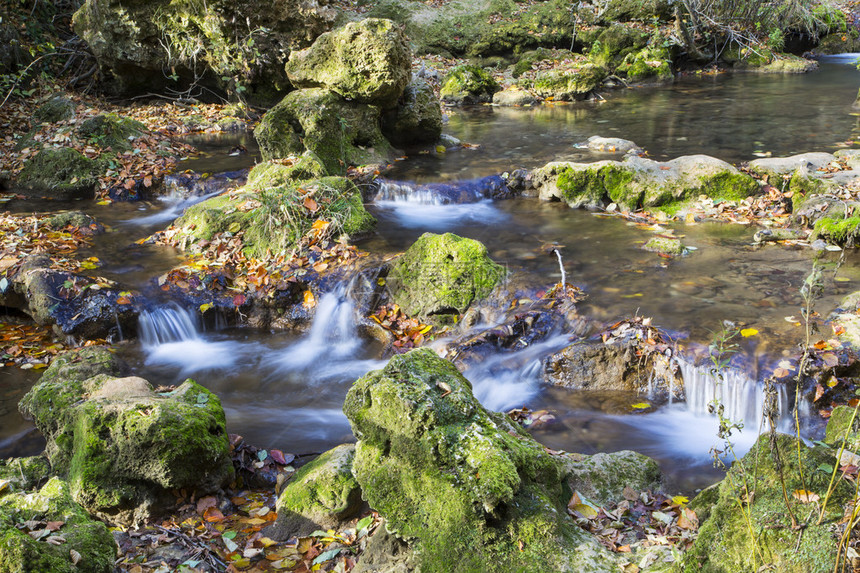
[{"x": 286, "y": 390}]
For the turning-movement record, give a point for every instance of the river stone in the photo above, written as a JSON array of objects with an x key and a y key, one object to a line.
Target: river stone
[
  {"x": 777, "y": 166},
  {"x": 367, "y": 61},
  {"x": 61, "y": 173},
  {"x": 467, "y": 85},
  {"x": 320, "y": 496},
  {"x": 472, "y": 489},
  {"x": 109, "y": 130},
  {"x": 513, "y": 97},
  {"x": 851, "y": 157},
  {"x": 640, "y": 182},
  {"x": 601, "y": 478},
  {"x": 23, "y": 553},
  {"x": 610, "y": 145},
  {"x": 339, "y": 133},
  {"x": 568, "y": 84},
  {"x": 724, "y": 542},
  {"x": 442, "y": 275},
  {"x": 417, "y": 117},
  {"x": 596, "y": 366},
  {"x": 665, "y": 246},
  {"x": 123, "y": 447},
  {"x": 237, "y": 46}
]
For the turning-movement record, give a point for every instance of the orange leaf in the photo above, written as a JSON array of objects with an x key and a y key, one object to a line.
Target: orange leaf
[
  {"x": 213, "y": 514},
  {"x": 147, "y": 181},
  {"x": 310, "y": 204}
]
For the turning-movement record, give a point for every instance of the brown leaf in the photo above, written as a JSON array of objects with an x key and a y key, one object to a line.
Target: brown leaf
[
  {"x": 630, "y": 494},
  {"x": 310, "y": 204},
  {"x": 805, "y": 496},
  {"x": 688, "y": 519},
  {"x": 205, "y": 503}
]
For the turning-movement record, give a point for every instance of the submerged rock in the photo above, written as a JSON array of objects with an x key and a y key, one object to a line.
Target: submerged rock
[
  {"x": 80, "y": 545},
  {"x": 466, "y": 85},
  {"x": 442, "y": 275},
  {"x": 61, "y": 173},
  {"x": 367, "y": 61},
  {"x": 122, "y": 446},
  {"x": 338, "y": 132},
  {"x": 725, "y": 512},
  {"x": 639, "y": 182},
  {"x": 321, "y": 495},
  {"x": 471, "y": 488}
]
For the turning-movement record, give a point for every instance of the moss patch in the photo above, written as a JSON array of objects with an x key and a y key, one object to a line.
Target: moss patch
[
  {"x": 837, "y": 231},
  {"x": 61, "y": 173},
  {"x": 468, "y": 85},
  {"x": 111, "y": 130}
]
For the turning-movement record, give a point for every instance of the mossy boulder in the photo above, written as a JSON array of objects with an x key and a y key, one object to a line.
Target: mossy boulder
[
  {"x": 610, "y": 45},
  {"x": 471, "y": 489},
  {"x": 442, "y": 275},
  {"x": 601, "y": 478},
  {"x": 665, "y": 245},
  {"x": 23, "y": 474},
  {"x": 367, "y": 61},
  {"x": 468, "y": 85},
  {"x": 83, "y": 544},
  {"x": 417, "y": 117},
  {"x": 570, "y": 83},
  {"x": 270, "y": 210},
  {"x": 514, "y": 97},
  {"x": 123, "y": 446},
  {"x": 235, "y": 47},
  {"x": 651, "y": 63},
  {"x": 839, "y": 42},
  {"x": 764, "y": 61},
  {"x": 746, "y": 531},
  {"x": 837, "y": 231},
  {"x": 339, "y": 133},
  {"x": 639, "y": 182},
  {"x": 58, "y": 108},
  {"x": 109, "y": 130},
  {"x": 322, "y": 494},
  {"x": 61, "y": 173}
]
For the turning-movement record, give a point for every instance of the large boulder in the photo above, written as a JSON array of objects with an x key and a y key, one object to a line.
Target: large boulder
[
  {"x": 123, "y": 446},
  {"x": 468, "y": 85},
  {"x": 273, "y": 211},
  {"x": 569, "y": 83},
  {"x": 338, "y": 132},
  {"x": 471, "y": 489},
  {"x": 640, "y": 182},
  {"x": 61, "y": 173},
  {"x": 744, "y": 523},
  {"x": 417, "y": 117},
  {"x": 321, "y": 495},
  {"x": 442, "y": 275},
  {"x": 235, "y": 46},
  {"x": 45, "y": 531},
  {"x": 367, "y": 61}
]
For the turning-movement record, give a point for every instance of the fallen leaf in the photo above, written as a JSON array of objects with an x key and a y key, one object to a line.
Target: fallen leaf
[
  {"x": 747, "y": 332},
  {"x": 805, "y": 496}
]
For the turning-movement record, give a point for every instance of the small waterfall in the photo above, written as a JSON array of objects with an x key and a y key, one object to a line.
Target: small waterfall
[
  {"x": 741, "y": 397},
  {"x": 408, "y": 193},
  {"x": 170, "y": 323},
  {"x": 561, "y": 268}
]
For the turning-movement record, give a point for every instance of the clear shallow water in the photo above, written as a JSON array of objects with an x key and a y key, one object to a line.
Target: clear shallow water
[{"x": 286, "y": 390}]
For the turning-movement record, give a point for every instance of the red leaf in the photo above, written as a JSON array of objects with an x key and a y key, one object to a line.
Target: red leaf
[{"x": 239, "y": 300}]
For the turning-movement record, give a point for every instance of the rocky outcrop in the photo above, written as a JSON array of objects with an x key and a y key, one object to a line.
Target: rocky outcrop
[
  {"x": 471, "y": 489},
  {"x": 230, "y": 46},
  {"x": 442, "y": 275},
  {"x": 367, "y": 62},
  {"x": 639, "y": 182},
  {"x": 46, "y": 531},
  {"x": 122, "y": 446}
]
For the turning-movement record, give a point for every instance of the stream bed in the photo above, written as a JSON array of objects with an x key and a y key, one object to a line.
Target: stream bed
[{"x": 285, "y": 390}]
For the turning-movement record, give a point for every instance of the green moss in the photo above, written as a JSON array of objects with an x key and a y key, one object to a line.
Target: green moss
[
  {"x": 56, "y": 109},
  {"x": 729, "y": 186},
  {"x": 63, "y": 173},
  {"x": 269, "y": 174},
  {"x": 25, "y": 473},
  {"x": 615, "y": 43},
  {"x": 337, "y": 132},
  {"x": 110, "y": 130},
  {"x": 21, "y": 553},
  {"x": 838, "y": 428},
  {"x": 570, "y": 83},
  {"x": 665, "y": 246},
  {"x": 726, "y": 543},
  {"x": 468, "y": 84},
  {"x": 837, "y": 231},
  {"x": 592, "y": 186},
  {"x": 650, "y": 62},
  {"x": 442, "y": 274}
]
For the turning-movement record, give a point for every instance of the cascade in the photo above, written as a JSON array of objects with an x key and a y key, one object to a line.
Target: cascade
[{"x": 169, "y": 323}]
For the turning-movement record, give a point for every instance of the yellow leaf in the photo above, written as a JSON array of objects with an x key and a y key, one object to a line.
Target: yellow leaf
[
  {"x": 680, "y": 500},
  {"x": 105, "y": 202},
  {"x": 310, "y": 300},
  {"x": 39, "y": 366},
  {"x": 440, "y": 149},
  {"x": 583, "y": 510},
  {"x": 805, "y": 496},
  {"x": 641, "y": 406},
  {"x": 747, "y": 332},
  {"x": 206, "y": 306}
]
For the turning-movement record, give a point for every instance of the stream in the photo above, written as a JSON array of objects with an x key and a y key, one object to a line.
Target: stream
[{"x": 285, "y": 390}]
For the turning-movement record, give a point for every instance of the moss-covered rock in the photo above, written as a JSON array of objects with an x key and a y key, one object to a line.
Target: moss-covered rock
[
  {"x": 23, "y": 474},
  {"x": 366, "y": 61},
  {"x": 21, "y": 552},
  {"x": 472, "y": 489},
  {"x": 321, "y": 495},
  {"x": 232, "y": 46},
  {"x": 839, "y": 231},
  {"x": 417, "y": 117},
  {"x": 58, "y": 108},
  {"x": 109, "y": 130},
  {"x": 764, "y": 61},
  {"x": 468, "y": 85},
  {"x": 665, "y": 245},
  {"x": 273, "y": 216},
  {"x": 571, "y": 83},
  {"x": 122, "y": 446},
  {"x": 339, "y": 133},
  {"x": 650, "y": 63},
  {"x": 61, "y": 173},
  {"x": 611, "y": 45},
  {"x": 601, "y": 478},
  {"x": 640, "y": 182},
  {"x": 442, "y": 275},
  {"x": 839, "y": 42},
  {"x": 744, "y": 531}
]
